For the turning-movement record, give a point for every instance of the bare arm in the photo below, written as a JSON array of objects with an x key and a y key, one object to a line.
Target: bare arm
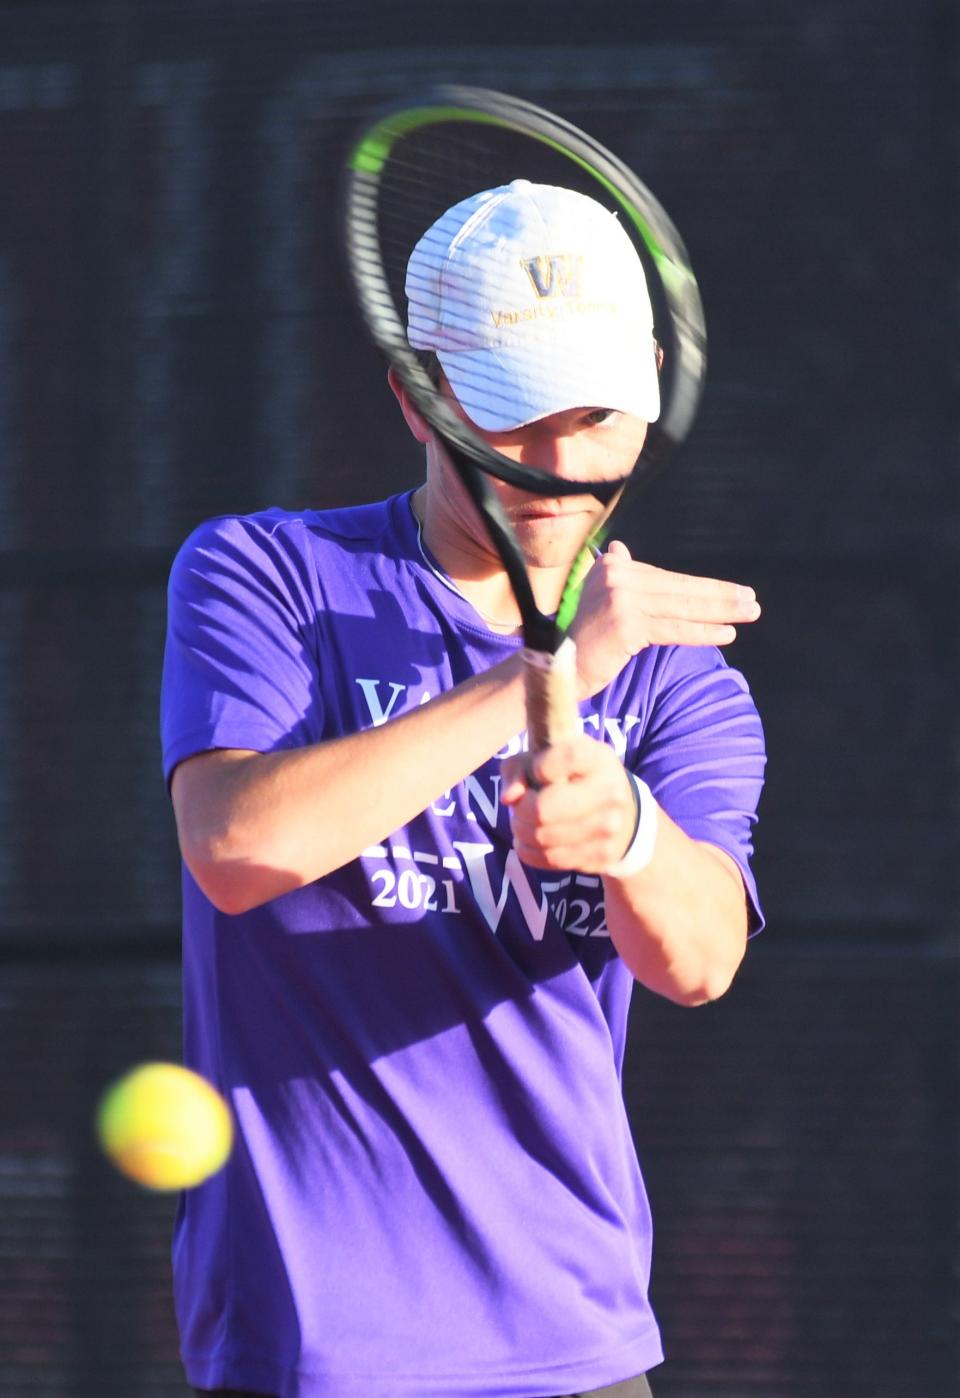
[
  {"x": 681, "y": 924},
  {"x": 253, "y": 826}
]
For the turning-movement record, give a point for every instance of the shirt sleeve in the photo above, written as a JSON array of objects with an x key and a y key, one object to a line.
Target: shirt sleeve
[
  {"x": 703, "y": 755},
  {"x": 240, "y": 668}
]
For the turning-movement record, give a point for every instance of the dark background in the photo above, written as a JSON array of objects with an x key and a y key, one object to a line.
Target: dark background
[{"x": 176, "y": 340}]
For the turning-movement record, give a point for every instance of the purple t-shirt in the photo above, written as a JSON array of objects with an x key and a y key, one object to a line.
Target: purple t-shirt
[{"x": 434, "y": 1190}]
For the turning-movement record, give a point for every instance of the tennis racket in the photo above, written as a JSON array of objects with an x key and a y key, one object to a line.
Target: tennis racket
[{"x": 412, "y": 163}]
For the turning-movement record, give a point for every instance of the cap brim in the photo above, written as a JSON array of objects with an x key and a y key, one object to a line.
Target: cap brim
[{"x": 510, "y": 386}]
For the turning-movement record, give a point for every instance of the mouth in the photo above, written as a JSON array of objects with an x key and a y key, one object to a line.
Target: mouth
[{"x": 548, "y": 509}]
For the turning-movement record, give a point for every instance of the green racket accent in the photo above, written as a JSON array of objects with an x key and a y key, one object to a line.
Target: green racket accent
[
  {"x": 573, "y": 587},
  {"x": 372, "y": 153}
]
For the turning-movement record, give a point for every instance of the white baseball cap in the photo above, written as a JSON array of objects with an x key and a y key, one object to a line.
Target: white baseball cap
[{"x": 534, "y": 300}]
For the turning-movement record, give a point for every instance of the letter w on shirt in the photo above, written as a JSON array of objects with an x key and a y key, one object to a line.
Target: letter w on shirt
[{"x": 534, "y": 908}]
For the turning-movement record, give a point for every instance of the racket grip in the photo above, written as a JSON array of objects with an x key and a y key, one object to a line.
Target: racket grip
[{"x": 553, "y": 711}]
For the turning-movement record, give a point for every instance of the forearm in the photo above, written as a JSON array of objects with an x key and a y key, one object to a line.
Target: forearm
[
  {"x": 681, "y": 923},
  {"x": 253, "y": 826}
]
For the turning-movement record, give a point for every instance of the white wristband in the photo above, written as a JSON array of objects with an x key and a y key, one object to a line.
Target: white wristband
[{"x": 640, "y": 853}]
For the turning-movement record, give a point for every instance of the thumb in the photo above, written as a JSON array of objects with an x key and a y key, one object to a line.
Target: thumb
[{"x": 618, "y": 549}]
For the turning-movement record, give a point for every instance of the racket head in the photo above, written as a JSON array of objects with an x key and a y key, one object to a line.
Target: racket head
[{"x": 418, "y": 158}]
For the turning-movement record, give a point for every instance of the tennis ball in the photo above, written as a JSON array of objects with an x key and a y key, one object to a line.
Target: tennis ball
[{"x": 164, "y": 1126}]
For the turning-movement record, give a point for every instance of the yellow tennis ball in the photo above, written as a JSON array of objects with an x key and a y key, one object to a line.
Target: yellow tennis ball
[{"x": 164, "y": 1126}]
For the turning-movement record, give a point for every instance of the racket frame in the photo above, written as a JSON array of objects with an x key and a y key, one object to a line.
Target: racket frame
[{"x": 679, "y": 328}]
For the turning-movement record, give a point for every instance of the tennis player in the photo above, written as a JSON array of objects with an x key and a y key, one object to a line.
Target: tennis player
[{"x": 409, "y": 946}]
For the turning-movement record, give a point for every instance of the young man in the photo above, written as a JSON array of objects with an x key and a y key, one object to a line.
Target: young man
[{"x": 409, "y": 946}]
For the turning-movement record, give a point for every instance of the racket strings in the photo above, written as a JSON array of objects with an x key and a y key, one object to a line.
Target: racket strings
[{"x": 427, "y": 173}]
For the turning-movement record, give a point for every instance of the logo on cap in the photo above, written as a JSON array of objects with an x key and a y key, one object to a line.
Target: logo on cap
[{"x": 555, "y": 274}]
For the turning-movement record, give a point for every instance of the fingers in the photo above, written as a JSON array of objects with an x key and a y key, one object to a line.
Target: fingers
[
  {"x": 514, "y": 780},
  {"x": 668, "y": 631},
  {"x": 574, "y": 760},
  {"x": 618, "y": 549},
  {"x": 571, "y": 806},
  {"x": 665, "y": 589},
  {"x": 587, "y": 856},
  {"x": 654, "y": 606}
]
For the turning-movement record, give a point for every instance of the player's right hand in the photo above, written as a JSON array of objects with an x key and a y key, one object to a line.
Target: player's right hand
[{"x": 627, "y": 605}]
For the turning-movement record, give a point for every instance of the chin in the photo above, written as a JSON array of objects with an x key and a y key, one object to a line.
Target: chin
[
  {"x": 548, "y": 543},
  {"x": 545, "y": 556}
]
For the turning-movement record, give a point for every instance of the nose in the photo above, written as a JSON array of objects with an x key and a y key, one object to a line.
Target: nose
[{"x": 551, "y": 450}]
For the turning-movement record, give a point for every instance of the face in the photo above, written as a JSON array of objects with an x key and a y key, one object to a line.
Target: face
[{"x": 588, "y": 444}]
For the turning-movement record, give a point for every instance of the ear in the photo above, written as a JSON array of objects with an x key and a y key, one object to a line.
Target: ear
[{"x": 417, "y": 424}]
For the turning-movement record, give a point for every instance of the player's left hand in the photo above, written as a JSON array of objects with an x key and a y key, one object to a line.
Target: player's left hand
[{"x": 571, "y": 806}]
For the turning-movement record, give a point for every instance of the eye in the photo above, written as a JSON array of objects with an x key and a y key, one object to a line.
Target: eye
[{"x": 601, "y": 417}]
